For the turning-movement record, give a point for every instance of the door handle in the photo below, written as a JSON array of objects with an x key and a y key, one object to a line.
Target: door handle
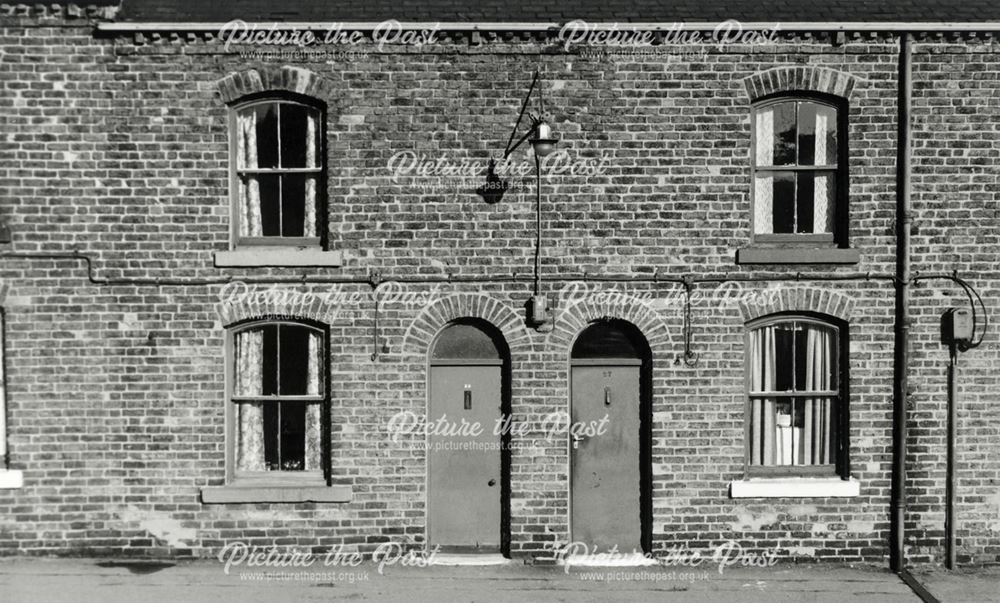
[
  {"x": 576, "y": 440},
  {"x": 491, "y": 483}
]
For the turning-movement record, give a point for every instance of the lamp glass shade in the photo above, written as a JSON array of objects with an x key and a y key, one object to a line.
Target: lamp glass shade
[{"x": 543, "y": 142}]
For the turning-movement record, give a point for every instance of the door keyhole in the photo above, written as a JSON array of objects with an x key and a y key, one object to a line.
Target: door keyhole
[
  {"x": 467, "y": 399},
  {"x": 607, "y": 395}
]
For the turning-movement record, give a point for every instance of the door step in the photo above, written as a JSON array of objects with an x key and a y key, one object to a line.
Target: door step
[
  {"x": 629, "y": 560},
  {"x": 470, "y": 559}
]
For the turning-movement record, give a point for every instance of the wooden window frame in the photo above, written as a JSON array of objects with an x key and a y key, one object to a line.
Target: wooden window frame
[
  {"x": 839, "y": 237},
  {"x": 322, "y": 477},
  {"x": 841, "y": 466},
  {"x": 320, "y": 241}
]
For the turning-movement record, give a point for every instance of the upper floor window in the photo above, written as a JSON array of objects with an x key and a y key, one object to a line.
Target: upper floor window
[
  {"x": 799, "y": 171},
  {"x": 278, "y": 172},
  {"x": 796, "y": 412},
  {"x": 277, "y": 394}
]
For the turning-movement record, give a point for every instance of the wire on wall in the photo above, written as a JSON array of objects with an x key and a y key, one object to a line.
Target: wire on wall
[{"x": 374, "y": 279}]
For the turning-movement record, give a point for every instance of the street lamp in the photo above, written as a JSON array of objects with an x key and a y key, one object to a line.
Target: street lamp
[{"x": 539, "y": 135}]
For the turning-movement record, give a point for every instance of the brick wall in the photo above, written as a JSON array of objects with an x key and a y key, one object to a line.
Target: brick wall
[{"x": 118, "y": 148}]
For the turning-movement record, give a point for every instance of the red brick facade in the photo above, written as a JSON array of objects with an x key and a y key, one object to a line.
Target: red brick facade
[{"x": 116, "y": 147}]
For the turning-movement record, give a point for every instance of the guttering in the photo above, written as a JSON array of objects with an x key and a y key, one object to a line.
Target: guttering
[
  {"x": 522, "y": 26},
  {"x": 897, "y": 503}
]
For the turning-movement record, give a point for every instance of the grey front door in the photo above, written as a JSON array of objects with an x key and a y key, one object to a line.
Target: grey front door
[
  {"x": 464, "y": 456},
  {"x": 464, "y": 482},
  {"x": 604, "y": 476}
]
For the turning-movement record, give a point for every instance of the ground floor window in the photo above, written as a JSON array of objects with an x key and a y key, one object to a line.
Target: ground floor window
[
  {"x": 795, "y": 406},
  {"x": 278, "y": 393}
]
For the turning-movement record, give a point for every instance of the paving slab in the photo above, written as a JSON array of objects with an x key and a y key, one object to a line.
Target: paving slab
[
  {"x": 45, "y": 580},
  {"x": 961, "y": 586}
]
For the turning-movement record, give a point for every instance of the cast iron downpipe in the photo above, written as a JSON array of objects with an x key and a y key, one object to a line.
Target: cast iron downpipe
[
  {"x": 897, "y": 504},
  {"x": 951, "y": 484}
]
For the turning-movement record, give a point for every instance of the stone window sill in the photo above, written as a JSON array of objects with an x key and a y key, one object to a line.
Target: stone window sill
[
  {"x": 794, "y": 487},
  {"x": 258, "y": 493},
  {"x": 277, "y": 257},
  {"x": 793, "y": 255},
  {"x": 10, "y": 479}
]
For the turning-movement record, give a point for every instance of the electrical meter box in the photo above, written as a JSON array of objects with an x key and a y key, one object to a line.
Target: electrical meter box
[
  {"x": 538, "y": 310},
  {"x": 956, "y": 326}
]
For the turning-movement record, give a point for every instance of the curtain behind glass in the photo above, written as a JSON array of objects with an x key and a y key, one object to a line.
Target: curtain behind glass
[
  {"x": 314, "y": 441},
  {"x": 762, "y": 378},
  {"x": 312, "y": 142},
  {"x": 818, "y": 427},
  {"x": 249, "y": 186},
  {"x": 249, "y": 382}
]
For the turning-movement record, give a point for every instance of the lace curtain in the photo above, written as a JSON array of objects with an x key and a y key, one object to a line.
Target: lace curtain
[
  {"x": 803, "y": 134},
  {"x": 250, "y": 215},
  {"x": 314, "y": 460},
  {"x": 249, "y": 382},
  {"x": 312, "y": 128},
  {"x": 249, "y": 186},
  {"x": 249, "y": 379}
]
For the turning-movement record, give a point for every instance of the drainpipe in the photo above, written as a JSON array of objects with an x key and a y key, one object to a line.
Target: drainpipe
[
  {"x": 897, "y": 505},
  {"x": 952, "y": 479}
]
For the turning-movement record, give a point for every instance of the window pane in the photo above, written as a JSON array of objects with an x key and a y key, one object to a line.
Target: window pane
[
  {"x": 270, "y": 204},
  {"x": 817, "y": 353},
  {"x": 272, "y": 440},
  {"x": 796, "y": 431},
  {"x": 293, "y": 135},
  {"x": 267, "y": 135},
  {"x": 774, "y": 202},
  {"x": 814, "y": 202},
  {"x": 784, "y": 133},
  {"x": 804, "y": 202},
  {"x": 293, "y": 194},
  {"x": 824, "y": 187},
  {"x": 289, "y": 361},
  {"x": 826, "y": 135},
  {"x": 294, "y": 362},
  {"x": 807, "y": 133},
  {"x": 284, "y": 436},
  {"x": 783, "y": 203},
  {"x": 803, "y": 359},
  {"x": 784, "y": 369},
  {"x": 763, "y": 203},
  {"x": 764, "y": 136},
  {"x": 293, "y": 436},
  {"x": 817, "y": 134},
  {"x": 783, "y": 449},
  {"x": 270, "y": 360}
]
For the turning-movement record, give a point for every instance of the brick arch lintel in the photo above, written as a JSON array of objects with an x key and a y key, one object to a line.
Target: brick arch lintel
[
  {"x": 808, "y": 78},
  {"x": 421, "y": 332},
  {"x": 574, "y": 318},
  {"x": 240, "y": 84},
  {"x": 818, "y": 300},
  {"x": 239, "y": 302}
]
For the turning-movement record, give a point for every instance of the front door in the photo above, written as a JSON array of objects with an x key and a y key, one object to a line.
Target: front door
[
  {"x": 464, "y": 460},
  {"x": 605, "y": 467}
]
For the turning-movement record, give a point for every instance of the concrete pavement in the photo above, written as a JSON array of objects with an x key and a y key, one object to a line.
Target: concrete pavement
[
  {"x": 962, "y": 585},
  {"x": 44, "y": 580}
]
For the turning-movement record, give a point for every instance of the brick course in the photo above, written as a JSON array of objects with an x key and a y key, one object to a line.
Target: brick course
[{"x": 119, "y": 149}]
